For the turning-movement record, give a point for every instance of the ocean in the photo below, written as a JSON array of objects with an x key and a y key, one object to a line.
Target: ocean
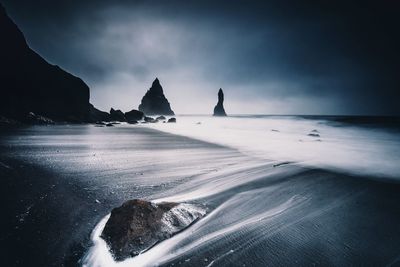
[{"x": 278, "y": 190}]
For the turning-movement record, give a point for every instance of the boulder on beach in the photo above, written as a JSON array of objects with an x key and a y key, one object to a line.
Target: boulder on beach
[
  {"x": 149, "y": 119},
  {"x": 134, "y": 115},
  {"x": 117, "y": 115},
  {"x": 97, "y": 115},
  {"x": 314, "y": 133},
  {"x": 173, "y": 120},
  {"x": 219, "y": 108},
  {"x": 161, "y": 118},
  {"x": 138, "y": 225},
  {"x": 154, "y": 101}
]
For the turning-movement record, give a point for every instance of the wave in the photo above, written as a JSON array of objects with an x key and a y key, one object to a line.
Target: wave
[
  {"x": 311, "y": 142},
  {"x": 199, "y": 234},
  {"x": 264, "y": 204}
]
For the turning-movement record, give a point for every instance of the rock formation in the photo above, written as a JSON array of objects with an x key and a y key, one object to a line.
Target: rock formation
[
  {"x": 32, "y": 118},
  {"x": 30, "y": 84},
  {"x": 161, "y": 118},
  {"x": 134, "y": 115},
  {"x": 96, "y": 115},
  {"x": 7, "y": 123},
  {"x": 154, "y": 102},
  {"x": 219, "y": 108},
  {"x": 117, "y": 115},
  {"x": 138, "y": 225},
  {"x": 149, "y": 119}
]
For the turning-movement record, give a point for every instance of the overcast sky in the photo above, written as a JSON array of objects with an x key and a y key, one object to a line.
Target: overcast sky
[{"x": 281, "y": 57}]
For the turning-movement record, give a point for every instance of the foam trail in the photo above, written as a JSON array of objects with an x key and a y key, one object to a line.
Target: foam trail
[
  {"x": 256, "y": 219},
  {"x": 99, "y": 255},
  {"x": 339, "y": 147},
  {"x": 213, "y": 184}
]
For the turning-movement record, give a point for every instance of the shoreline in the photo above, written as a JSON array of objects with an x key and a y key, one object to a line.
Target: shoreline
[{"x": 63, "y": 180}]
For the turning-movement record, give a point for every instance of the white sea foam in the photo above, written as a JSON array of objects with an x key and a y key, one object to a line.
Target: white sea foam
[
  {"x": 99, "y": 255},
  {"x": 365, "y": 151},
  {"x": 265, "y": 209}
]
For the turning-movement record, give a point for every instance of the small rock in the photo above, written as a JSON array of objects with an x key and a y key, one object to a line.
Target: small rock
[
  {"x": 173, "y": 120},
  {"x": 33, "y": 118},
  {"x": 134, "y": 115},
  {"x": 117, "y": 115},
  {"x": 149, "y": 119},
  {"x": 7, "y": 122}
]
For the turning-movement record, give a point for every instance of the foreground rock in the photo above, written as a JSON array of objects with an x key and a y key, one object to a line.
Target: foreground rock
[
  {"x": 154, "y": 101},
  {"x": 172, "y": 120},
  {"x": 219, "y": 108},
  {"x": 138, "y": 225}
]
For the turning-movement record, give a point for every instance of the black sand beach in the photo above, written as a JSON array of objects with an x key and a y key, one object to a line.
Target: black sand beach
[{"x": 58, "y": 182}]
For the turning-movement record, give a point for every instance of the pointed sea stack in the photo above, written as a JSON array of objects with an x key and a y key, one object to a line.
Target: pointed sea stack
[
  {"x": 154, "y": 102},
  {"x": 219, "y": 108}
]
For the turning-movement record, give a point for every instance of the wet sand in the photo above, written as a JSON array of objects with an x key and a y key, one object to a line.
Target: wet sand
[{"x": 58, "y": 182}]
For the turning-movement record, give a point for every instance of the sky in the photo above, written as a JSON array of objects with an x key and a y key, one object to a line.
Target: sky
[{"x": 270, "y": 57}]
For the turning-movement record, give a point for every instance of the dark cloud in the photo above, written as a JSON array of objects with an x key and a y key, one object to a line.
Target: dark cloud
[{"x": 271, "y": 57}]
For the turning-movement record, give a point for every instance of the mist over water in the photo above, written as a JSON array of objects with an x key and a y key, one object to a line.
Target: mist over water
[{"x": 332, "y": 145}]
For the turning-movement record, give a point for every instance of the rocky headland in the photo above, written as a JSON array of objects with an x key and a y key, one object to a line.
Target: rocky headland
[{"x": 30, "y": 84}]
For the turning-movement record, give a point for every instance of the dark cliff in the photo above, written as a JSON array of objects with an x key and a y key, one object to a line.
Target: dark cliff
[{"x": 30, "y": 84}]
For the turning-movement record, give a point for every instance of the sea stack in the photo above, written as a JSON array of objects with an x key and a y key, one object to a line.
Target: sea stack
[
  {"x": 219, "y": 108},
  {"x": 154, "y": 101}
]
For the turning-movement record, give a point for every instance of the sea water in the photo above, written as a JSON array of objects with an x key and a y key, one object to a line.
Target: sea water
[{"x": 318, "y": 142}]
